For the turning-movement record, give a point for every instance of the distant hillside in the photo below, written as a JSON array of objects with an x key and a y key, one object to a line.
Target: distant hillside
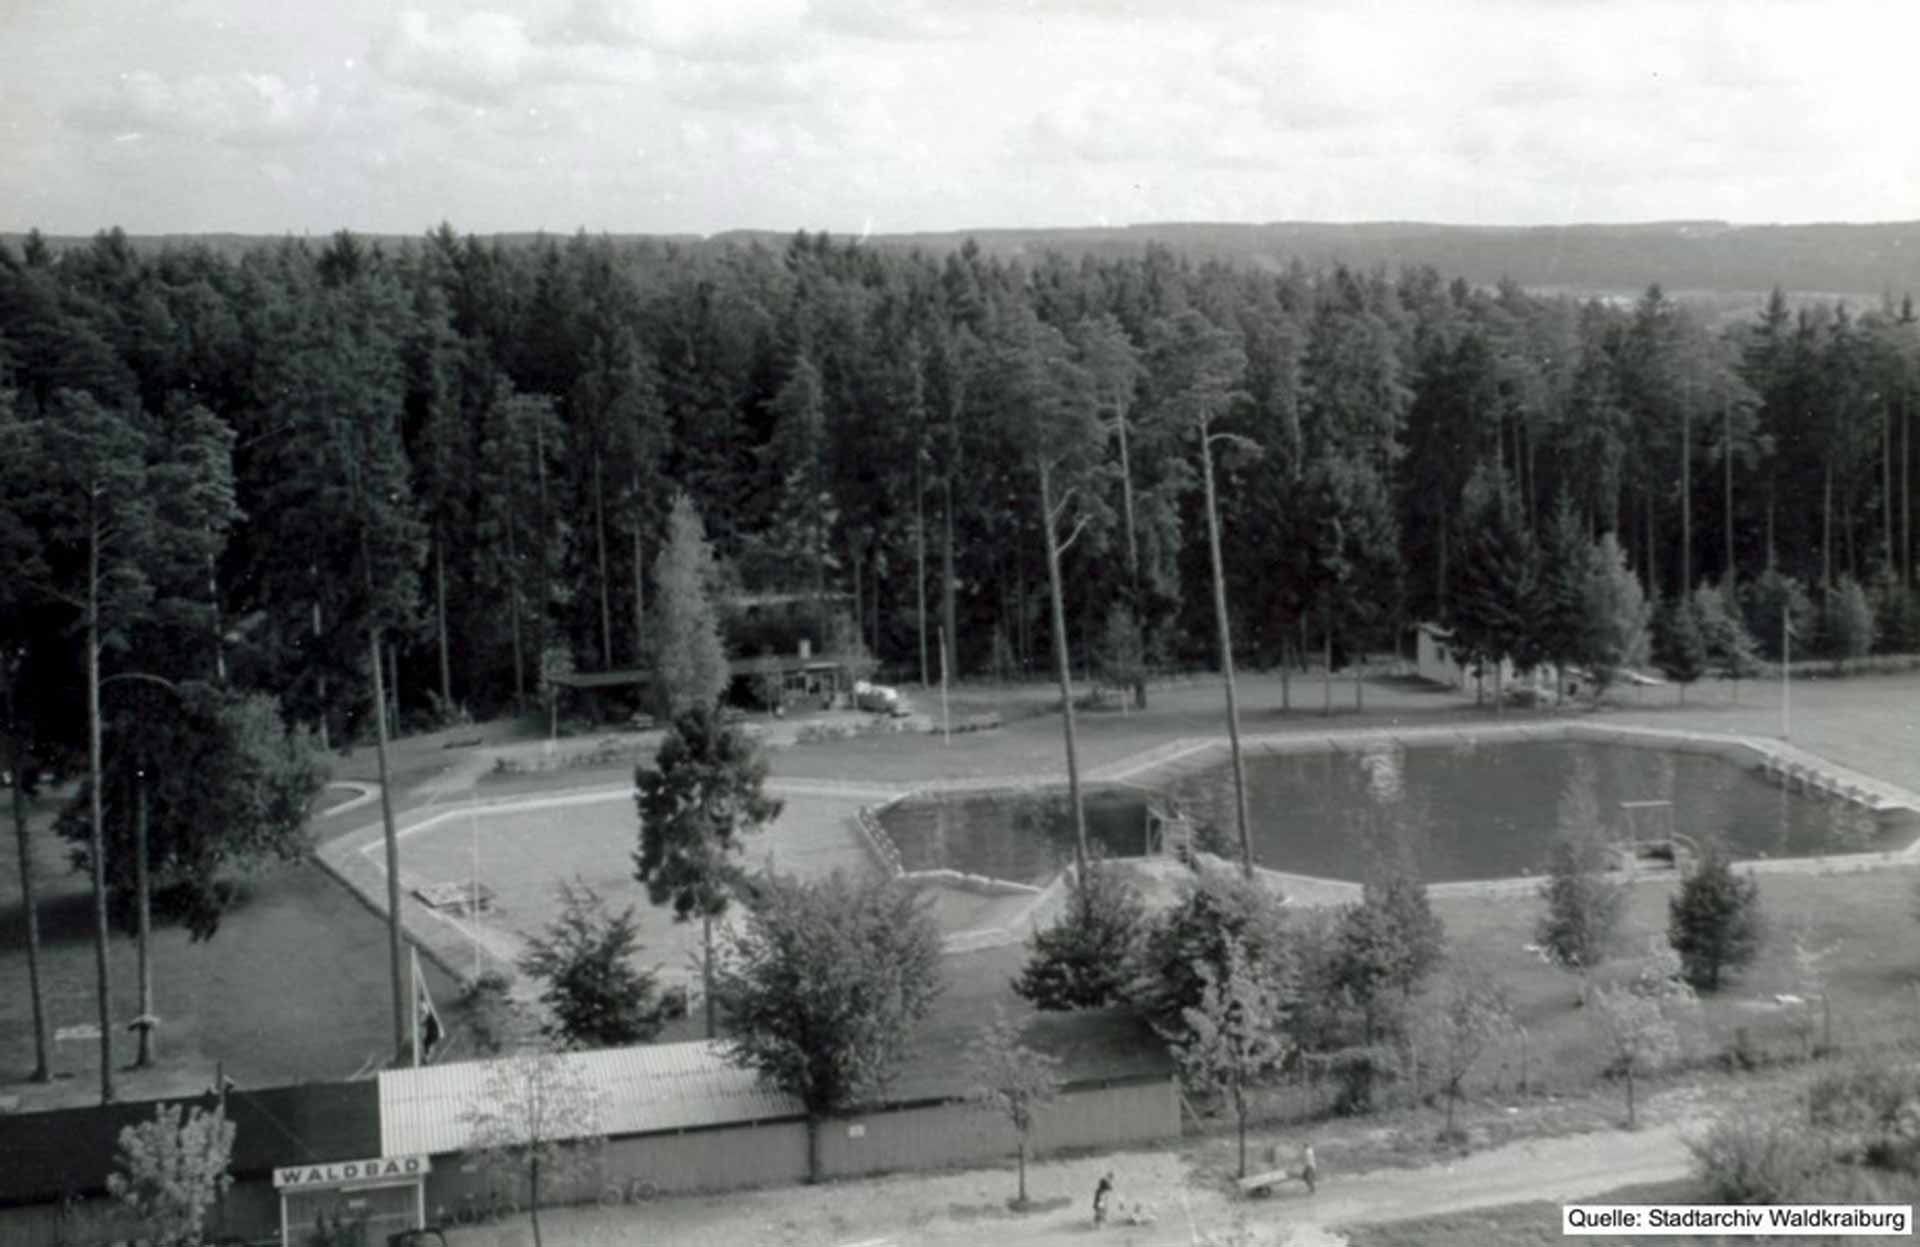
[{"x": 1861, "y": 262}]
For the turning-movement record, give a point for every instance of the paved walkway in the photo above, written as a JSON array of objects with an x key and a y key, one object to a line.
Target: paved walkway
[{"x": 969, "y": 1206}]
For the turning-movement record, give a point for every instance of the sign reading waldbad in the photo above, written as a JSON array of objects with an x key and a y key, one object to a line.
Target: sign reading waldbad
[{"x": 343, "y": 1172}]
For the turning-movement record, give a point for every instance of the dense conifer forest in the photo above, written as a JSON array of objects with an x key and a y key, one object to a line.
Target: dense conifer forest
[{"x": 249, "y": 465}]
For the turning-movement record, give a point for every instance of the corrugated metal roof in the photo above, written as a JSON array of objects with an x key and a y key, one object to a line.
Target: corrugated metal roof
[{"x": 636, "y": 1090}]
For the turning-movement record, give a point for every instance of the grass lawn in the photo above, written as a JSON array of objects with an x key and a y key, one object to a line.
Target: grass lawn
[
  {"x": 293, "y": 987},
  {"x": 295, "y": 984}
]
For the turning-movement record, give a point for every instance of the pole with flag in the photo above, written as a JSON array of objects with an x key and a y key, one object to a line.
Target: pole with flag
[{"x": 426, "y": 1021}]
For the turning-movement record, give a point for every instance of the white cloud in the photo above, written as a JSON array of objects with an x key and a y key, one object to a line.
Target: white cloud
[
  {"x": 240, "y": 108},
  {"x": 695, "y": 29},
  {"x": 478, "y": 57}
]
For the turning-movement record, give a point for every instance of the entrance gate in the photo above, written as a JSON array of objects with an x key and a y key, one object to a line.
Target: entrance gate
[{"x": 384, "y": 1196}]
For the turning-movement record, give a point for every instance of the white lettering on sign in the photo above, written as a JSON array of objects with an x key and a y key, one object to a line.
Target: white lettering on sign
[{"x": 343, "y": 1172}]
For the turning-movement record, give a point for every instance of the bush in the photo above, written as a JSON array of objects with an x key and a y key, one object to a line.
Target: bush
[
  {"x": 1866, "y": 1099},
  {"x": 1846, "y": 625},
  {"x": 1897, "y": 613},
  {"x": 1751, "y": 1159},
  {"x": 488, "y": 1010}
]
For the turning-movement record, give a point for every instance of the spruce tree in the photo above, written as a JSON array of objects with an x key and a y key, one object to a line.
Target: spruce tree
[
  {"x": 689, "y": 659},
  {"x": 1680, "y": 645},
  {"x": 1559, "y": 614},
  {"x": 1713, "y": 921}
]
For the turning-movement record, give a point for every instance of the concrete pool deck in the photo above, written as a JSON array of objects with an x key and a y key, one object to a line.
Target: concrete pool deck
[{"x": 815, "y": 835}]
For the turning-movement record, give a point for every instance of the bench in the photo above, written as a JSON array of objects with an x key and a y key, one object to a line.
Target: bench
[{"x": 1263, "y": 1183}]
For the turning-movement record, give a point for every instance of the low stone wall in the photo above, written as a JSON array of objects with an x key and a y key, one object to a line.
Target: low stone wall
[
  {"x": 886, "y": 855},
  {"x": 983, "y": 885}
]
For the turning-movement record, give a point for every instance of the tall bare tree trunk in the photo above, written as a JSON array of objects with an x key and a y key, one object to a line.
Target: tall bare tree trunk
[
  {"x": 1726, "y": 444},
  {"x": 321, "y": 680},
  {"x": 947, "y": 605},
  {"x": 920, "y": 564},
  {"x": 1226, "y": 656},
  {"x": 1653, "y": 564},
  {"x": 706, "y": 971},
  {"x": 1886, "y": 484},
  {"x": 606, "y": 584},
  {"x": 533, "y": 1198},
  {"x": 1133, "y": 552},
  {"x": 392, "y": 839},
  {"x": 98, "y": 840},
  {"x": 219, "y": 629},
  {"x": 639, "y": 598},
  {"x": 18, "y": 762},
  {"x": 1063, "y": 669},
  {"x": 513, "y": 616},
  {"x": 1326, "y": 655},
  {"x": 1686, "y": 497},
  {"x": 440, "y": 614},
  {"x": 1826, "y": 530},
  {"x": 143, "y": 899}
]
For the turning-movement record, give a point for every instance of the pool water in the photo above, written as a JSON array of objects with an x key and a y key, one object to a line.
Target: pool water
[
  {"x": 1457, "y": 811},
  {"x": 1023, "y": 836},
  {"x": 1484, "y": 811}
]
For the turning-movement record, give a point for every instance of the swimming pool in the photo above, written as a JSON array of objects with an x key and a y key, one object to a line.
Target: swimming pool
[
  {"x": 1458, "y": 807},
  {"x": 1480, "y": 810}
]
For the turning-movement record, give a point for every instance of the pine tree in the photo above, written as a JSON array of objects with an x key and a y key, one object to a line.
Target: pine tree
[
  {"x": 1493, "y": 592},
  {"x": 1084, "y": 960},
  {"x": 1680, "y": 644},
  {"x": 1616, "y": 617},
  {"x": 705, "y": 790},
  {"x": 1731, "y": 649},
  {"x": 593, "y": 994},
  {"x": 1559, "y": 615},
  {"x": 1583, "y": 905},
  {"x": 690, "y": 660},
  {"x": 1847, "y": 624},
  {"x": 1713, "y": 921}
]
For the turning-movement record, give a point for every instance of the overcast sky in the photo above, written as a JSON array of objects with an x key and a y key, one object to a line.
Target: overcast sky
[{"x": 893, "y": 115}]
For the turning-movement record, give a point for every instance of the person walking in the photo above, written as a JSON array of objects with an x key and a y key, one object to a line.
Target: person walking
[
  {"x": 1101, "y": 1193},
  {"x": 1309, "y": 1167}
]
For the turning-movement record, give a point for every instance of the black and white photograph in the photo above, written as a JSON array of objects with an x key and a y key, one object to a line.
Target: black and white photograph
[{"x": 864, "y": 623}]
